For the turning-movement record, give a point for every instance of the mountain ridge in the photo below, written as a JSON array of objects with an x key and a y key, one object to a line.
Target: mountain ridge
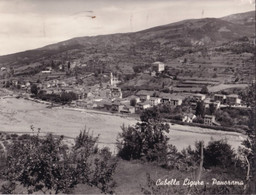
[{"x": 157, "y": 41}]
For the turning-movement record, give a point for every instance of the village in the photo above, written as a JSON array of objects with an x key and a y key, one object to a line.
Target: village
[{"x": 108, "y": 96}]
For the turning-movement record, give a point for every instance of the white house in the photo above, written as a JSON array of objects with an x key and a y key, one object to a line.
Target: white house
[
  {"x": 158, "y": 67},
  {"x": 199, "y": 97}
]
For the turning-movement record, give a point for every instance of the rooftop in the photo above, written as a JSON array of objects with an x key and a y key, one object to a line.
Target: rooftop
[
  {"x": 220, "y": 95},
  {"x": 209, "y": 116},
  {"x": 145, "y": 92},
  {"x": 233, "y": 95}
]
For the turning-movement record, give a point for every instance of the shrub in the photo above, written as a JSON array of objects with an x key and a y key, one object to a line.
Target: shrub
[
  {"x": 48, "y": 165},
  {"x": 34, "y": 89},
  {"x": 145, "y": 140},
  {"x": 219, "y": 153}
]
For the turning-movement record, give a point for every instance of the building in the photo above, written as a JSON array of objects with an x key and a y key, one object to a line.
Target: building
[
  {"x": 210, "y": 120},
  {"x": 81, "y": 103},
  {"x": 108, "y": 106},
  {"x": 154, "y": 101},
  {"x": 116, "y": 92},
  {"x": 171, "y": 99},
  {"x": 47, "y": 70},
  {"x": 113, "y": 80},
  {"x": 142, "y": 106},
  {"x": 144, "y": 95},
  {"x": 3, "y": 69},
  {"x": 233, "y": 99},
  {"x": 220, "y": 97},
  {"x": 128, "y": 109},
  {"x": 208, "y": 102},
  {"x": 199, "y": 97},
  {"x": 117, "y": 107},
  {"x": 188, "y": 118},
  {"x": 158, "y": 67},
  {"x": 15, "y": 82},
  {"x": 135, "y": 98},
  {"x": 144, "y": 98}
]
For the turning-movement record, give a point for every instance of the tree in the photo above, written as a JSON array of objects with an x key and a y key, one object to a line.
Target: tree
[
  {"x": 250, "y": 143},
  {"x": 152, "y": 114},
  {"x": 146, "y": 140},
  {"x": 34, "y": 89},
  {"x": 133, "y": 102},
  {"x": 219, "y": 153},
  {"x": 200, "y": 109},
  {"x": 67, "y": 97},
  {"x": 212, "y": 109},
  {"x": 224, "y": 118},
  {"x": 49, "y": 166},
  {"x": 204, "y": 90}
]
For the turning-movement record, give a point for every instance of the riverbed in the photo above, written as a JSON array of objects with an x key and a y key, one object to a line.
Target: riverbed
[{"x": 18, "y": 115}]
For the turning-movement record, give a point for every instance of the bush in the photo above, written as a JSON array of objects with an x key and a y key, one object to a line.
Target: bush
[
  {"x": 146, "y": 140},
  {"x": 50, "y": 166},
  {"x": 204, "y": 90},
  {"x": 219, "y": 153},
  {"x": 34, "y": 89}
]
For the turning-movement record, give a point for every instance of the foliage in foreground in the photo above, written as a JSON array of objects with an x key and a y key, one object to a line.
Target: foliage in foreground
[
  {"x": 48, "y": 165},
  {"x": 147, "y": 141}
]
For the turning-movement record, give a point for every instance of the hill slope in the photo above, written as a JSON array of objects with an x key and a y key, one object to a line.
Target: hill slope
[{"x": 120, "y": 52}]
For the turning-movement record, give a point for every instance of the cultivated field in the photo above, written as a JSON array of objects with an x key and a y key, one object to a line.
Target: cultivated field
[{"x": 17, "y": 115}]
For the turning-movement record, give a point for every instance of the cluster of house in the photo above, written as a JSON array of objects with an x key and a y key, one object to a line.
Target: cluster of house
[
  {"x": 218, "y": 100},
  {"x": 144, "y": 100},
  {"x": 112, "y": 100},
  {"x": 108, "y": 96}
]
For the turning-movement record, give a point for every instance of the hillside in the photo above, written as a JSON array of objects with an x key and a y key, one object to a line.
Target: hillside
[
  {"x": 120, "y": 53},
  {"x": 247, "y": 18}
]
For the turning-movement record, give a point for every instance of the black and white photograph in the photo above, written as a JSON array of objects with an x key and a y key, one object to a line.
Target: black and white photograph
[{"x": 127, "y": 97}]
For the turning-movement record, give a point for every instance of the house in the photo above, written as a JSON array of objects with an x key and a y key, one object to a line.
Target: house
[
  {"x": 171, "y": 99},
  {"x": 52, "y": 91},
  {"x": 193, "y": 105},
  {"x": 176, "y": 101},
  {"x": 47, "y": 70},
  {"x": 220, "y": 97},
  {"x": 199, "y": 97},
  {"x": 144, "y": 95},
  {"x": 210, "y": 120},
  {"x": 15, "y": 82},
  {"x": 142, "y": 106},
  {"x": 117, "y": 107},
  {"x": 144, "y": 98},
  {"x": 81, "y": 103},
  {"x": 3, "y": 69},
  {"x": 116, "y": 92},
  {"x": 154, "y": 101},
  {"x": 158, "y": 67},
  {"x": 188, "y": 118},
  {"x": 98, "y": 103},
  {"x": 135, "y": 98},
  {"x": 27, "y": 84},
  {"x": 67, "y": 89},
  {"x": 108, "y": 106},
  {"x": 128, "y": 109},
  {"x": 208, "y": 102},
  {"x": 233, "y": 99}
]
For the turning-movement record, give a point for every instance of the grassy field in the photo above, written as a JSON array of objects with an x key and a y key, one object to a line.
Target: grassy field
[{"x": 226, "y": 86}]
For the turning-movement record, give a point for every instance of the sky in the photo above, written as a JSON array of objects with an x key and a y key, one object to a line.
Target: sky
[{"x": 30, "y": 24}]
